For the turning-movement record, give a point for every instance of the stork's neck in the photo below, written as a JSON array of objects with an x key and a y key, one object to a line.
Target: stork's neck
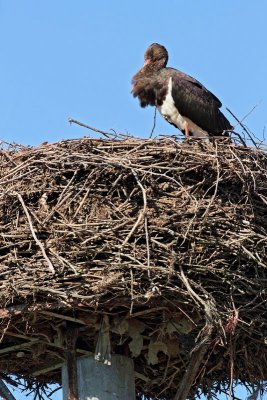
[{"x": 148, "y": 70}]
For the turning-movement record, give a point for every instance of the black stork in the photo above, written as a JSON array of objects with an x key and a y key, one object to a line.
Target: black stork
[{"x": 182, "y": 100}]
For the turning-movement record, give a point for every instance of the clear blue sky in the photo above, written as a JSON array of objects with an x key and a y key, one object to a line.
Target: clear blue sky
[{"x": 66, "y": 58}]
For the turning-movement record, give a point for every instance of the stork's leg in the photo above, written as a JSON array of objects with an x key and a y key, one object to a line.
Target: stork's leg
[{"x": 186, "y": 129}]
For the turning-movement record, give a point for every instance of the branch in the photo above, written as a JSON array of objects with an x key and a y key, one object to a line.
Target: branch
[
  {"x": 50, "y": 265},
  {"x": 142, "y": 212},
  {"x": 192, "y": 370},
  {"x": 74, "y": 121},
  {"x": 106, "y": 134},
  {"x": 5, "y": 392},
  {"x": 71, "y": 339},
  {"x": 242, "y": 125}
]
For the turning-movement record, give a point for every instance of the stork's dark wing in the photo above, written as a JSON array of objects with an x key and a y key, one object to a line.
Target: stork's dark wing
[{"x": 197, "y": 103}]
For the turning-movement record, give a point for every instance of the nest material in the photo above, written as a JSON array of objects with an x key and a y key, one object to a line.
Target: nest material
[{"x": 166, "y": 240}]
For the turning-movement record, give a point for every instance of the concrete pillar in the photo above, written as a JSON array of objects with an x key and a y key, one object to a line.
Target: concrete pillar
[{"x": 97, "y": 381}]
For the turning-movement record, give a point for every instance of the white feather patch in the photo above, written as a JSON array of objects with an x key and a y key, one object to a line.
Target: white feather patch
[{"x": 169, "y": 111}]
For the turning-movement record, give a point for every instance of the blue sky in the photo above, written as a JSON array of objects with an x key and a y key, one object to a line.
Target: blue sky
[
  {"x": 66, "y": 58},
  {"x": 63, "y": 59}
]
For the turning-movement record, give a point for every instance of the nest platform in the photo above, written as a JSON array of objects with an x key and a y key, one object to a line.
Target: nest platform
[{"x": 158, "y": 246}]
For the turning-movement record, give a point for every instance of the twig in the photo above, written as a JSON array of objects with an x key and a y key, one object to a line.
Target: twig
[
  {"x": 49, "y": 368},
  {"x": 106, "y": 134},
  {"x": 214, "y": 184},
  {"x": 74, "y": 121},
  {"x": 142, "y": 212},
  {"x": 63, "y": 317},
  {"x": 5, "y": 392},
  {"x": 242, "y": 125},
  {"x": 18, "y": 346},
  {"x": 137, "y": 222},
  {"x": 147, "y": 247},
  {"x": 253, "y": 257},
  {"x": 208, "y": 307},
  {"x": 132, "y": 291},
  {"x": 145, "y": 220},
  {"x": 250, "y": 112},
  {"x": 240, "y": 138},
  {"x": 154, "y": 123},
  {"x": 61, "y": 199},
  {"x": 50, "y": 265}
]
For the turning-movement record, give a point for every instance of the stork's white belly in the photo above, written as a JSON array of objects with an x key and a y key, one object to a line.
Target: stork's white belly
[{"x": 171, "y": 114}]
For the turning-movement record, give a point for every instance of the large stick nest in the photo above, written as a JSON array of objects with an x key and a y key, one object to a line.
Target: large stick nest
[{"x": 163, "y": 243}]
